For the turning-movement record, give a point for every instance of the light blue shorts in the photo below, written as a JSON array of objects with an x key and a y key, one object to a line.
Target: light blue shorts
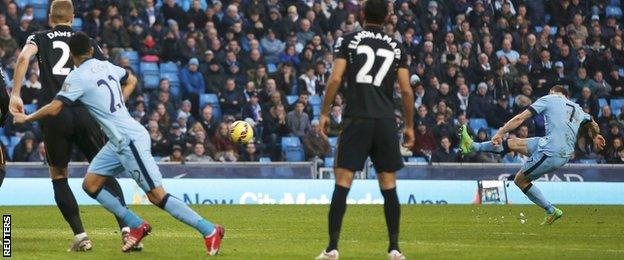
[
  {"x": 135, "y": 159},
  {"x": 539, "y": 163}
]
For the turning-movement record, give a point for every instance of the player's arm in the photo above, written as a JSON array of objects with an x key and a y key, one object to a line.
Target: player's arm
[
  {"x": 407, "y": 99},
  {"x": 51, "y": 109},
  {"x": 333, "y": 84},
  {"x": 512, "y": 124},
  {"x": 16, "y": 105},
  {"x": 593, "y": 130},
  {"x": 128, "y": 86}
]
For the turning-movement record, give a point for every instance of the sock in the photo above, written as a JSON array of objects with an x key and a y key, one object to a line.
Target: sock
[
  {"x": 184, "y": 213},
  {"x": 487, "y": 147},
  {"x": 536, "y": 196},
  {"x": 336, "y": 213},
  {"x": 80, "y": 236},
  {"x": 113, "y": 187},
  {"x": 66, "y": 202},
  {"x": 112, "y": 204},
  {"x": 392, "y": 210}
]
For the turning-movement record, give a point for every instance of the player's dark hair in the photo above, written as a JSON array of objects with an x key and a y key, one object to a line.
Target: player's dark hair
[
  {"x": 79, "y": 44},
  {"x": 561, "y": 89},
  {"x": 376, "y": 11}
]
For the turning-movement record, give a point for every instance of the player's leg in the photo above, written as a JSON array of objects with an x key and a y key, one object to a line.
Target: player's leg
[
  {"x": 143, "y": 168},
  {"x": 538, "y": 165},
  {"x": 386, "y": 157},
  {"x": 520, "y": 145},
  {"x": 89, "y": 139},
  {"x": 353, "y": 147}
]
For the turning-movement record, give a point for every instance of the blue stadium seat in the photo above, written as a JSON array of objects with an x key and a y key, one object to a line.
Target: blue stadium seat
[
  {"x": 477, "y": 123},
  {"x": 316, "y": 111},
  {"x": 271, "y": 68},
  {"x": 1, "y": 131},
  {"x": 77, "y": 25},
  {"x": 291, "y": 99},
  {"x": 417, "y": 160},
  {"x": 292, "y": 149},
  {"x": 14, "y": 140},
  {"x": 539, "y": 29},
  {"x": 10, "y": 150},
  {"x": 5, "y": 140},
  {"x": 333, "y": 142},
  {"x": 40, "y": 8},
  {"x": 169, "y": 67},
  {"x": 294, "y": 155},
  {"x": 151, "y": 81},
  {"x": 614, "y": 2},
  {"x": 30, "y": 108},
  {"x": 291, "y": 142},
  {"x": 150, "y": 68},
  {"x": 613, "y": 11},
  {"x": 622, "y": 72},
  {"x": 553, "y": 30},
  {"x": 211, "y": 99},
  {"x": 265, "y": 159},
  {"x": 174, "y": 79},
  {"x": 315, "y": 100},
  {"x": 329, "y": 162},
  {"x": 175, "y": 91},
  {"x": 134, "y": 59},
  {"x": 492, "y": 132},
  {"x": 616, "y": 104},
  {"x": 601, "y": 102}
]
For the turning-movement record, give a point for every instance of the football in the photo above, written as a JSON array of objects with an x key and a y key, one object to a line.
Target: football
[{"x": 241, "y": 132}]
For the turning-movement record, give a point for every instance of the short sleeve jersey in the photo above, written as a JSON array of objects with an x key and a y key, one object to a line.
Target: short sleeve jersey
[
  {"x": 563, "y": 119},
  {"x": 54, "y": 58},
  {"x": 373, "y": 59}
]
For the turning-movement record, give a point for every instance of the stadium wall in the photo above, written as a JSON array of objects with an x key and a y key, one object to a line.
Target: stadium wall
[{"x": 38, "y": 191}]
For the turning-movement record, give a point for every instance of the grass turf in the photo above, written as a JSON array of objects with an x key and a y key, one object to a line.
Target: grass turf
[{"x": 299, "y": 232}]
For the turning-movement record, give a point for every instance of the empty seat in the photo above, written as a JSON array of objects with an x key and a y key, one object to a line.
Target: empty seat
[
  {"x": 5, "y": 140},
  {"x": 77, "y": 25},
  {"x": 265, "y": 159},
  {"x": 150, "y": 68},
  {"x": 417, "y": 160},
  {"x": 290, "y": 142},
  {"x": 329, "y": 162},
  {"x": 291, "y": 99},
  {"x": 616, "y": 104},
  {"x": 613, "y": 11},
  {"x": 477, "y": 123},
  {"x": 211, "y": 99},
  {"x": 168, "y": 67},
  {"x": 333, "y": 143},
  {"x": 588, "y": 161},
  {"x": 30, "y": 108},
  {"x": 315, "y": 100},
  {"x": 151, "y": 81},
  {"x": 294, "y": 155},
  {"x": 14, "y": 140}
]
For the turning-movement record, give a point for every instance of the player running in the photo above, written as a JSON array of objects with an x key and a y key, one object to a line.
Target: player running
[
  {"x": 72, "y": 125},
  {"x": 547, "y": 154},
  {"x": 373, "y": 61},
  {"x": 4, "y": 111},
  {"x": 97, "y": 84}
]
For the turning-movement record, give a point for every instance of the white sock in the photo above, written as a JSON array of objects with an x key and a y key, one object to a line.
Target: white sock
[
  {"x": 80, "y": 236},
  {"x": 125, "y": 229}
]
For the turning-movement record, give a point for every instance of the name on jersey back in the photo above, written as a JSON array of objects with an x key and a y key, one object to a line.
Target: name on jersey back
[
  {"x": 377, "y": 36},
  {"x": 54, "y": 34}
]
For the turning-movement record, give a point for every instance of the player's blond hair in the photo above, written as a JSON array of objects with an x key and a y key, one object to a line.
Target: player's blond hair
[{"x": 61, "y": 11}]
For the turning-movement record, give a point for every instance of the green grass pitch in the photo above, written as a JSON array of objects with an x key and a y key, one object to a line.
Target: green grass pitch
[{"x": 299, "y": 232}]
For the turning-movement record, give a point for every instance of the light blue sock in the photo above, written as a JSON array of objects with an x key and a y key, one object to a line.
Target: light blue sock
[
  {"x": 487, "y": 147},
  {"x": 536, "y": 196},
  {"x": 184, "y": 213},
  {"x": 112, "y": 204}
]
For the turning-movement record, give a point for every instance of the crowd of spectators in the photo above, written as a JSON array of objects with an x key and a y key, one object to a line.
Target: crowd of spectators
[{"x": 468, "y": 59}]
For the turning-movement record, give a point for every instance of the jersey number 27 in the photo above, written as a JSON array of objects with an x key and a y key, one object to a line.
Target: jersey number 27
[
  {"x": 362, "y": 75},
  {"x": 113, "y": 105}
]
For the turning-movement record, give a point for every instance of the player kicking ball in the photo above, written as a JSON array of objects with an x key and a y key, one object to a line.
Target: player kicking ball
[
  {"x": 98, "y": 85},
  {"x": 372, "y": 62},
  {"x": 546, "y": 154}
]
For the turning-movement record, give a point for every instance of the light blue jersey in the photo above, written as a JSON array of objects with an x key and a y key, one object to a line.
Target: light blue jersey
[
  {"x": 563, "y": 119},
  {"x": 96, "y": 84}
]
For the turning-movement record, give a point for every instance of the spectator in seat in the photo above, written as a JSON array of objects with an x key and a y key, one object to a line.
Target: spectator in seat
[
  {"x": 501, "y": 113},
  {"x": 272, "y": 47},
  {"x": 116, "y": 35},
  {"x": 615, "y": 131},
  {"x": 581, "y": 80},
  {"x": 250, "y": 154},
  {"x": 600, "y": 87},
  {"x": 298, "y": 122},
  {"x": 335, "y": 119},
  {"x": 480, "y": 104},
  {"x": 506, "y": 51},
  {"x": 160, "y": 145},
  {"x": 588, "y": 101},
  {"x": 444, "y": 153},
  {"x": 253, "y": 109},
  {"x": 198, "y": 154},
  {"x": 620, "y": 158},
  {"x": 185, "y": 111},
  {"x": 176, "y": 155},
  {"x": 177, "y": 136},
  {"x": 190, "y": 49},
  {"x": 214, "y": 77},
  {"x": 315, "y": 144},
  {"x": 304, "y": 97},
  {"x": 26, "y": 148},
  {"x": 7, "y": 42},
  {"x": 221, "y": 139},
  {"x": 231, "y": 99},
  {"x": 443, "y": 128},
  {"x": 482, "y": 157},
  {"x": 423, "y": 115},
  {"x": 40, "y": 155},
  {"x": 616, "y": 82},
  {"x": 274, "y": 127},
  {"x": 424, "y": 142},
  {"x": 606, "y": 117},
  {"x": 227, "y": 156}
]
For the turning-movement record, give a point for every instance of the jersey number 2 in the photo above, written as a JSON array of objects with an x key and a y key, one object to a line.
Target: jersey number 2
[
  {"x": 362, "y": 75},
  {"x": 59, "y": 67},
  {"x": 113, "y": 105}
]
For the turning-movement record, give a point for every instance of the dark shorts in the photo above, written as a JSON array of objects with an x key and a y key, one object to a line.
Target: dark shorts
[
  {"x": 364, "y": 137},
  {"x": 73, "y": 125}
]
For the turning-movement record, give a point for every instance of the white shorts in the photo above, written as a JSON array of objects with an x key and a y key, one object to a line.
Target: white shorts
[{"x": 135, "y": 159}]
